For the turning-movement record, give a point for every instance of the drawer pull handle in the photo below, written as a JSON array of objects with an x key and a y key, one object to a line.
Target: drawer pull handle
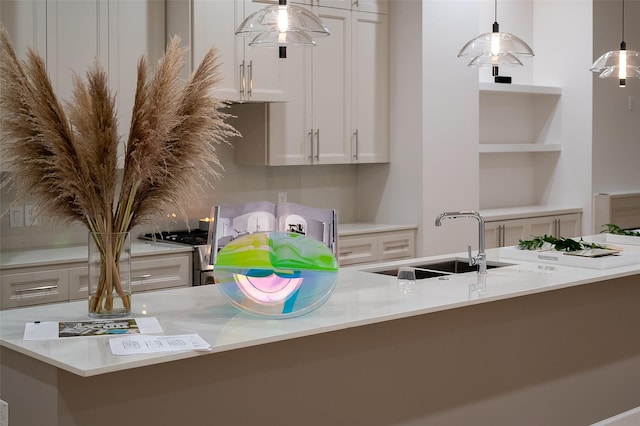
[
  {"x": 402, "y": 246},
  {"x": 41, "y": 288},
  {"x": 142, "y": 277},
  {"x": 345, "y": 253}
]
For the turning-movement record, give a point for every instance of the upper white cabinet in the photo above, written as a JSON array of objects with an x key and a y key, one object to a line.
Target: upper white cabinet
[
  {"x": 373, "y": 6},
  {"x": 72, "y": 34},
  {"x": 337, "y": 111},
  {"x": 328, "y": 91},
  {"x": 247, "y": 73},
  {"x": 370, "y": 106},
  {"x": 314, "y": 126}
]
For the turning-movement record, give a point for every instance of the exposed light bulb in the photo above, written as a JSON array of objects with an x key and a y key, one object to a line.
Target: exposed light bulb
[
  {"x": 622, "y": 68},
  {"x": 283, "y": 18},
  {"x": 495, "y": 44}
]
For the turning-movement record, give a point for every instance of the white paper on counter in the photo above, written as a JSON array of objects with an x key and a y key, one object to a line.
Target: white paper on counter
[
  {"x": 139, "y": 344},
  {"x": 51, "y": 329}
]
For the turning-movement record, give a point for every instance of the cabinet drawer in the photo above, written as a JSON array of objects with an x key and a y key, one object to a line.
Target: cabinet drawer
[
  {"x": 146, "y": 274},
  {"x": 157, "y": 273},
  {"x": 397, "y": 245},
  {"x": 33, "y": 288},
  {"x": 353, "y": 250}
]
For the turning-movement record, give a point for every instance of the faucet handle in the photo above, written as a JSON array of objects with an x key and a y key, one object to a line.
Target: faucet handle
[{"x": 471, "y": 258}]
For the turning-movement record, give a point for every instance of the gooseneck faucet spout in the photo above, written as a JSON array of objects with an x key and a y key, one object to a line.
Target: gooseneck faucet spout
[{"x": 481, "y": 258}]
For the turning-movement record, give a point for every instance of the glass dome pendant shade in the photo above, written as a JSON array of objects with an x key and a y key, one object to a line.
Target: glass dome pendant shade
[
  {"x": 282, "y": 25},
  {"x": 621, "y": 64},
  {"x": 495, "y": 49}
]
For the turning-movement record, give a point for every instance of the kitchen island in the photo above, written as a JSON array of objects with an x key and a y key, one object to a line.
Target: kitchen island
[{"x": 532, "y": 344}]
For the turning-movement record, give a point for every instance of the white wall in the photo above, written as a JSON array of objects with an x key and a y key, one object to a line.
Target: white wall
[
  {"x": 449, "y": 125},
  {"x": 563, "y": 59},
  {"x": 616, "y": 129},
  {"x": 393, "y": 193},
  {"x": 434, "y": 127}
]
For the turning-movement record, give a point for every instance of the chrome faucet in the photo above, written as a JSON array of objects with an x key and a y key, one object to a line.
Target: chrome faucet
[{"x": 481, "y": 258}]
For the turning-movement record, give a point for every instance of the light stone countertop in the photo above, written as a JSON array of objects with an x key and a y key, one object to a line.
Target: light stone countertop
[
  {"x": 356, "y": 228},
  {"x": 60, "y": 255},
  {"x": 360, "y": 298}
]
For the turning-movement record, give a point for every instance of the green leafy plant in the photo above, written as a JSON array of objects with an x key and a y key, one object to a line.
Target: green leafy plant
[
  {"x": 560, "y": 244},
  {"x": 610, "y": 228}
]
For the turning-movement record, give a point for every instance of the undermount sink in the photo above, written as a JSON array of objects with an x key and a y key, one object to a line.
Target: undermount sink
[{"x": 441, "y": 268}]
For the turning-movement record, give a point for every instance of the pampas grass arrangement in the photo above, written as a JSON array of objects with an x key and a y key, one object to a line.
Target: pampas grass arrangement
[{"x": 65, "y": 159}]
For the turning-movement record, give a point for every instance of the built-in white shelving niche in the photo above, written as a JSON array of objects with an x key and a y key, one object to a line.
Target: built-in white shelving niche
[{"x": 520, "y": 142}]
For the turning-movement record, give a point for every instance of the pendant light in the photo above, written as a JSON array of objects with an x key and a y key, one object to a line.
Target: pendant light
[
  {"x": 495, "y": 49},
  {"x": 282, "y": 25},
  {"x": 620, "y": 64}
]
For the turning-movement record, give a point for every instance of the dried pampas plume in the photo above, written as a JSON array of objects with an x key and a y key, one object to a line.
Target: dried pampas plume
[{"x": 64, "y": 159}]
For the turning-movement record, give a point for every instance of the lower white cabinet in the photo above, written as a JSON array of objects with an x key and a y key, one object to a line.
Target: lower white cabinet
[
  {"x": 152, "y": 273},
  {"x": 33, "y": 287},
  {"x": 508, "y": 232},
  {"x": 376, "y": 246},
  {"x": 60, "y": 283},
  {"x": 621, "y": 209}
]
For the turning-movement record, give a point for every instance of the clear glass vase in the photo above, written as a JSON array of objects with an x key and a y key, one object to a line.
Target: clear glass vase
[{"x": 109, "y": 274}]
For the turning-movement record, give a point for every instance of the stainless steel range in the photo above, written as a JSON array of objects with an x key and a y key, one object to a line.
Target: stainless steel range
[{"x": 198, "y": 238}]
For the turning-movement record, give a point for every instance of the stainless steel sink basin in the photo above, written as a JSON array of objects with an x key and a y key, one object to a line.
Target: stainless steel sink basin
[{"x": 441, "y": 268}]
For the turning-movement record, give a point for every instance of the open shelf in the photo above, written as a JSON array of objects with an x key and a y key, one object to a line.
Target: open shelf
[
  {"x": 488, "y": 148},
  {"x": 520, "y": 89}
]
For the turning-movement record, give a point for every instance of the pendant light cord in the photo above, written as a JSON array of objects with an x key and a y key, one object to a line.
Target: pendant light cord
[
  {"x": 495, "y": 10},
  {"x": 623, "y": 20}
]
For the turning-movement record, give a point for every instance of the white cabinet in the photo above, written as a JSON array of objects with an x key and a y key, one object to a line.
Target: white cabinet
[
  {"x": 60, "y": 283},
  {"x": 520, "y": 141},
  {"x": 71, "y": 35},
  {"x": 373, "y": 247},
  {"x": 508, "y": 232},
  {"x": 147, "y": 273},
  {"x": 247, "y": 73},
  {"x": 314, "y": 126},
  {"x": 374, "y": 6},
  {"x": 337, "y": 111},
  {"x": 621, "y": 209},
  {"x": 116, "y": 33},
  {"x": 339, "y": 4},
  {"x": 370, "y": 99},
  {"x": 33, "y": 286}
]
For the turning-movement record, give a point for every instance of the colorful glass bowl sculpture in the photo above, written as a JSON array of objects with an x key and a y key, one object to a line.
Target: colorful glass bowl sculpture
[{"x": 276, "y": 274}]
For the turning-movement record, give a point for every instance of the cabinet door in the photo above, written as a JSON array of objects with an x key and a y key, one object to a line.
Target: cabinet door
[
  {"x": 374, "y": 6},
  {"x": 213, "y": 23},
  {"x": 26, "y": 23},
  {"x": 513, "y": 231},
  {"x": 397, "y": 245},
  {"x": 290, "y": 132},
  {"x": 77, "y": 34},
  {"x": 34, "y": 287},
  {"x": 354, "y": 250},
  {"x": 339, "y": 4},
  {"x": 570, "y": 225},
  {"x": 543, "y": 225},
  {"x": 263, "y": 69},
  {"x": 247, "y": 73},
  {"x": 331, "y": 82},
  {"x": 134, "y": 30},
  {"x": 313, "y": 126},
  {"x": 370, "y": 100},
  {"x": 492, "y": 234}
]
